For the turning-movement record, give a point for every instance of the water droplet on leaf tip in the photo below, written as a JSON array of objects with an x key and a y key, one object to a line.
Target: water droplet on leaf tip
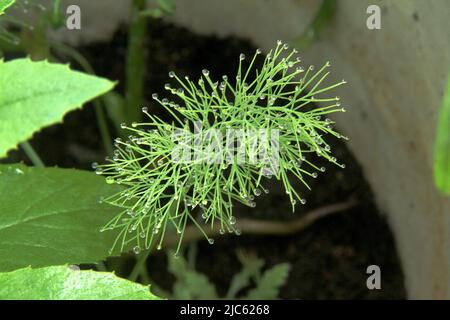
[{"x": 109, "y": 180}]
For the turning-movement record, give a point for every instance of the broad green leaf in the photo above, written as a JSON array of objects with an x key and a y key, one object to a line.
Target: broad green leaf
[
  {"x": 442, "y": 146},
  {"x": 269, "y": 285},
  {"x": 51, "y": 216},
  {"x": 34, "y": 95},
  {"x": 4, "y": 4},
  {"x": 64, "y": 283}
]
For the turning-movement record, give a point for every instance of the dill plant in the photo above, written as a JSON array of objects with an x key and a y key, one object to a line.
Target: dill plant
[{"x": 161, "y": 194}]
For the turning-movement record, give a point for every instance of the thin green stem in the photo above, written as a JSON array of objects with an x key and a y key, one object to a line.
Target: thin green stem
[
  {"x": 140, "y": 265},
  {"x": 101, "y": 266},
  {"x": 145, "y": 277},
  {"x": 99, "y": 111},
  {"x": 34, "y": 157},
  {"x": 135, "y": 63},
  {"x": 103, "y": 127}
]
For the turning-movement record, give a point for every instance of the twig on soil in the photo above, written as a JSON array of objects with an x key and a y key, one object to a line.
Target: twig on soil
[{"x": 264, "y": 227}]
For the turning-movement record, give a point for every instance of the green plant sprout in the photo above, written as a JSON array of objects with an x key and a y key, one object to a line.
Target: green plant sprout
[
  {"x": 191, "y": 284},
  {"x": 161, "y": 193}
]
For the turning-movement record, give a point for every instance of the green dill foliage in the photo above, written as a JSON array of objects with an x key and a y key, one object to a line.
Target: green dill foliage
[
  {"x": 163, "y": 195},
  {"x": 4, "y": 4}
]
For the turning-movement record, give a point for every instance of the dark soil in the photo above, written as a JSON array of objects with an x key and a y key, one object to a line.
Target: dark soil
[{"x": 329, "y": 259}]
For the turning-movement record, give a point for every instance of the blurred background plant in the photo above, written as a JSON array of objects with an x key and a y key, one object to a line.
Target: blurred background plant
[
  {"x": 442, "y": 145},
  {"x": 250, "y": 283}
]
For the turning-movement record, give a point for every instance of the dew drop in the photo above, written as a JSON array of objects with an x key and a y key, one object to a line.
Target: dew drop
[
  {"x": 109, "y": 180},
  {"x": 205, "y": 72},
  {"x": 211, "y": 241},
  {"x": 136, "y": 250},
  {"x": 171, "y": 74}
]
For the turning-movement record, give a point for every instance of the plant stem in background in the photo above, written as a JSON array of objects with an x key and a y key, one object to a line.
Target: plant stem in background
[
  {"x": 317, "y": 26},
  {"x": 101, "y": 266},
  {"x": 34, "y": 39},
  {"x": 140, "y": 265},
  {"x": 264, "y": 227},
  {"x": 135, "y": 64},
  {"x": 442, "y": 145},
  {"x": 34, "y": 157},
  {"x": 99, "y": 111}
]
